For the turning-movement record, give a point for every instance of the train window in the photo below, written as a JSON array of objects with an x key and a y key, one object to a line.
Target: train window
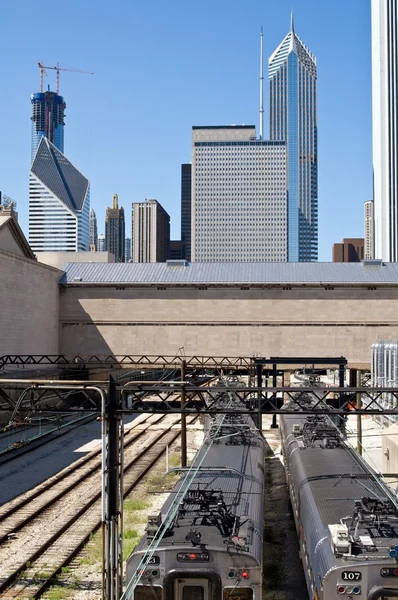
[
  {"x": 238, "y": 594},
  {"x": 148, "y": 592},
  {"x": 193, "y": 592}
]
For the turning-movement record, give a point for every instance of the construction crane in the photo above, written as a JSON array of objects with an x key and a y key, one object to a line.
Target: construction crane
[{"x": 58, "y": 69}]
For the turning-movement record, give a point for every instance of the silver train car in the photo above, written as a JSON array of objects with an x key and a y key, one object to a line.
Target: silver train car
[
  {"x": 346, "y": 518},
  {"x": 206, "y": 543}
]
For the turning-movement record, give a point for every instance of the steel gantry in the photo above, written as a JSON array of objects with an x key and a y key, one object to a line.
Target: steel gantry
[{"x": 112, "y": 399}]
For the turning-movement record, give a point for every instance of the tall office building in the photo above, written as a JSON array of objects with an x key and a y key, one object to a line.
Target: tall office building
[
  {"x": 349, "y": 250},
  {"x": 239, "y": 196},
  {"x": 127, "y": 249},
  {"x": 292, "y": 78},
  {"x": 114, "y": 230},
  {"x": 93, "y": 231},
  {"x": 101, "y": 242},
  {"x": 59, "y": 202},
  {"x": 385, "y": 127},
  {"x": 150, "y": 232},
  {"x": 48, "y": 110},
  {"x": 369, "y": 229},
  {"x": 186, "y": 177}
]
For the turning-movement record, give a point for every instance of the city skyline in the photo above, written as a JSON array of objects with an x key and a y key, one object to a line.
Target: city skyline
[{"x": 142, "y": 169}]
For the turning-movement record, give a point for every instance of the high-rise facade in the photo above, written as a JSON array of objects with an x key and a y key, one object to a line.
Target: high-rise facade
[
  {"x": 150, "y": 232},
  {"x": 101, "y": 242},
  {"x": 48, "y": 110},
  {"x": 59, "y": 203},
  {"x": 349, "y": 250},
  {"x": 292, "y": 75},
  {"x": 93, "y": 231},
  {"x": 239, "y": 196},
  {"x": 127, "y": 249},
  {"x": 385, "y": 127},
  {"x": 369, "y": 229},
  {"x": 114, "y": 230},
  {"x": 186, "y": 178}
]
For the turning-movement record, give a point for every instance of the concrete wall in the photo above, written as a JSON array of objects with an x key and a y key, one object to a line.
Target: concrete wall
[
  {"x": 227, "y": 321},
  {"x": 28, "y": 306},
  {"x": 59, "y": 260},
  {"x": 9, "y": 243}
]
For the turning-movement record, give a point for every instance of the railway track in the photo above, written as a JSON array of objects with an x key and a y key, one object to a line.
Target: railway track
[
  {"x": 43, "y": 531},
  {"x": 9, "y": 452}
]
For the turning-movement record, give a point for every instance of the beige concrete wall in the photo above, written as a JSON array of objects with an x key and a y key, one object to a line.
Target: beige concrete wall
[
  {"x": 228, "y": 321},
  {"x": 9, "y": 243},
  {"x": 29, "y": 306},
  {"x": 59, "y": 260}
]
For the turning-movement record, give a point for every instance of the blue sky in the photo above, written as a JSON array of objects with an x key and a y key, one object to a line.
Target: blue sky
[{"x": 161, "y": 67}]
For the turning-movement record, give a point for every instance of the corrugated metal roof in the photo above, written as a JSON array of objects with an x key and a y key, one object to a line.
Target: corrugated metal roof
[{"x": 230, "y": 273}]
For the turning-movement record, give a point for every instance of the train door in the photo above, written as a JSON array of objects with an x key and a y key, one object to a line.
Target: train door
[{"x": 191, "y": 589}]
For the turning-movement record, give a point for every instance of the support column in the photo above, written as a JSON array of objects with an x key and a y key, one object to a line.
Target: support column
[
  {"x": 112, "y": 580},
  {"x": 274, "y": 384},
  {"x": 359, "y": 417},
  {"x": 341, "y": 383},
  {"x": 183, "y": 418},
  {"x": 259, "y": 375}
]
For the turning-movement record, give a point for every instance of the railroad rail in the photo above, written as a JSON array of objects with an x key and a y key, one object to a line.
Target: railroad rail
[{"x": 49, "y": 514}]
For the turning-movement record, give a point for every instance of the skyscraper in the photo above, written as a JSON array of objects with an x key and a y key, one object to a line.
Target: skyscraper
[
  {"x": 93, "y": 231},
  {"x": 47, "y": 120},
  {"x": 385, "y": 127},
  {"x": 150, "y": 232},
  {"x": 239, "y": 196},
  {"x": 186, "y": 176},
  {"x": 369, "y": 229},
  {"x": 292, "y": 78},
  {"x": 114, "y": 230},
  {"x": 127, "y": 249},
  {"x": 101, "y": 242},
  {"x": 59, "y": 203}
]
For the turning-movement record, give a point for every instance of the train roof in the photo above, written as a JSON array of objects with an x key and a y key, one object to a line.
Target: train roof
[
  {"x": 336, "y": 483},
  {"x": 222, "y": 506}
]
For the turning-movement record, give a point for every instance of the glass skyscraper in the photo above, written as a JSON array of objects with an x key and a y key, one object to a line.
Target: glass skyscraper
[
  {"x": 47, "y": 120},
  {"x": 93, "y": 231},
  {"x": 292, "y": 78},
  {"x": 59, "y": 203},
  {"x": 385, "y": 127}
]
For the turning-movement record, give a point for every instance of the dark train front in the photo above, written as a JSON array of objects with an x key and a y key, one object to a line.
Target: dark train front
[
  {"x": 346, "y": 518},
  {"x": 213, "y": 522}
]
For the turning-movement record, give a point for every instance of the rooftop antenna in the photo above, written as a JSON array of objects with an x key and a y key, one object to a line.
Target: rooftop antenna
[{"x": 261, "y": 85}]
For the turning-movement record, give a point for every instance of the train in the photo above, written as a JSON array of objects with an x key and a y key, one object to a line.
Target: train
[
  {"x": 345, "y": 515},
  {"x": 206, "y": 543}
]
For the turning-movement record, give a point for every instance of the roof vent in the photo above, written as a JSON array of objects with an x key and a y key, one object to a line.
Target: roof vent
[
  {"x": 78, "y": 279},
  {"x": 373, "y": 262},
  {"x": 177, "y": 263}
]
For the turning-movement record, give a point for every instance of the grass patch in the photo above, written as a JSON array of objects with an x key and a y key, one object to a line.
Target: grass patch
[
  {"x": 93, "y": 553},
  {"x": 135, "y": 505},
  {"x": 130, "y": 533},
  {"x": 60, "y": 592},
  {"x": 128, "y": 546},
  {"x": 174, "y": 460}
]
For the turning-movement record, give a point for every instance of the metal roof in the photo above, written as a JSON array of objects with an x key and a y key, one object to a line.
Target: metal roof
[{"x": 230, "y": 273}]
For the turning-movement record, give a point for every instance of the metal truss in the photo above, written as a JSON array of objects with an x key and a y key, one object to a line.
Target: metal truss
[
  {"x": 267, "y": 400},
  {"x": 110, "y": 361},
  {"x": 27, "y": 396}
]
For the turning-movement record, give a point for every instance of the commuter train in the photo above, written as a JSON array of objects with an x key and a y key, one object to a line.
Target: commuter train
[
  {"x": 346, "y": 517},
  {"x": 206, "y": 542}
]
